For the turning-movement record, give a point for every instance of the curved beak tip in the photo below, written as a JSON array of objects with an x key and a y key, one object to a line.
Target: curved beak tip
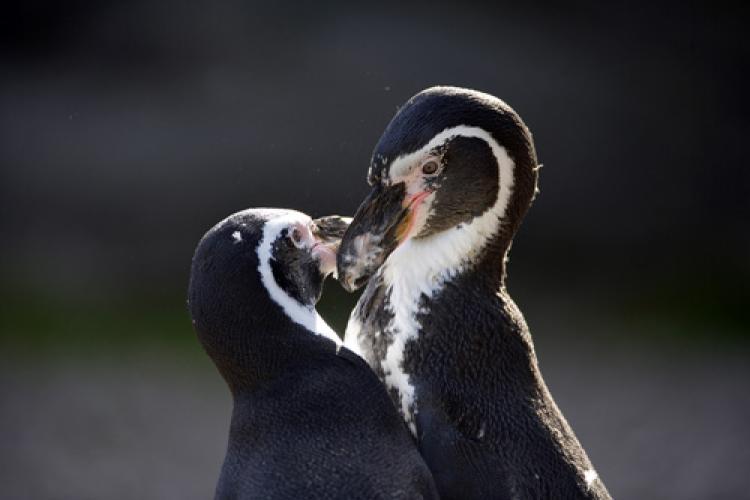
[
  {"x": 344, "y": 273},
  {"x": 347, "y": 284},
  {"x": 351, "y": 283},
  {"x": 352, "y": 274}
]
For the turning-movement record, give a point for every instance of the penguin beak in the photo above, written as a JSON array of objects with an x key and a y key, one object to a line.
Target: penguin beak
[
  {"x": 381, "y": 223},
  {"x": 327, "y": 233},
  {"x": 331, "y": 229}
]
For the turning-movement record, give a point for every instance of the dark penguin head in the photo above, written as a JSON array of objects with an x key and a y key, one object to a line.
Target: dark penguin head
[
  {"x": 255, "y": 279},
  {"x": 452, "y": 177}
]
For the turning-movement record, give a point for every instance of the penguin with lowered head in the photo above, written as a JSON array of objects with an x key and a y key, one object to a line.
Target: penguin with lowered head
[{"x": 310, "y": 418}]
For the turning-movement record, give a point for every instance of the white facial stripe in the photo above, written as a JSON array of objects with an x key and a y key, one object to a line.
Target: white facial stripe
[
  {"x": 590, "y": 476},
  {"x": 422, "y": 266},
  {"x": 308, "y": 317},
  {"x": 402, "y": 165}
]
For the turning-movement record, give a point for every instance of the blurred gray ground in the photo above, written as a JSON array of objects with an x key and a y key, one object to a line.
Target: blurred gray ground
[{"x": 658, "y": 422}]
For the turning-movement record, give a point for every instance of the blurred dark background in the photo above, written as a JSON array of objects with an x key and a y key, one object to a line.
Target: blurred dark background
[{"x": 128, "y": 129}]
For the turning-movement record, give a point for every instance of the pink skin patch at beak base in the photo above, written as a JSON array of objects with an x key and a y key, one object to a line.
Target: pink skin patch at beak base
[
  {"x": 319, "y": 250},
  {"x": 414, "y": 203},
  {"x": 327, "y": 257}
]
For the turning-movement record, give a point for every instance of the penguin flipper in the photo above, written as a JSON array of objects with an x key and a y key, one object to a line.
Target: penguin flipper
[{"x": 463, "y": 467}]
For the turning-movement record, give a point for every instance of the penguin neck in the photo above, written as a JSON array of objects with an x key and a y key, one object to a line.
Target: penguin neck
[
  {"x": 255, "y": 343},
  {"x": 425, "y": 265}
]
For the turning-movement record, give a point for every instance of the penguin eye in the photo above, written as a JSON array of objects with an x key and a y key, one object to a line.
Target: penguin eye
[
  {"x": 296, "y": 236},
  {"x": 430, "y": 167}
]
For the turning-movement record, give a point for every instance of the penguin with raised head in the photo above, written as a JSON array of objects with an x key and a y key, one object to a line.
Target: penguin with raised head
[
  {"x": 452, "y": 177},
  {"x": 310, "y": 418}
]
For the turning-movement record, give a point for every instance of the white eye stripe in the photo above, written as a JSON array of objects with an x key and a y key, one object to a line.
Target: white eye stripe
[{"x": 403, "y": 165}]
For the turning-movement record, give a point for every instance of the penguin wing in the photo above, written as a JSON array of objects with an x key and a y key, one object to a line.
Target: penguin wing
[{"x": 463, "y": 466}]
